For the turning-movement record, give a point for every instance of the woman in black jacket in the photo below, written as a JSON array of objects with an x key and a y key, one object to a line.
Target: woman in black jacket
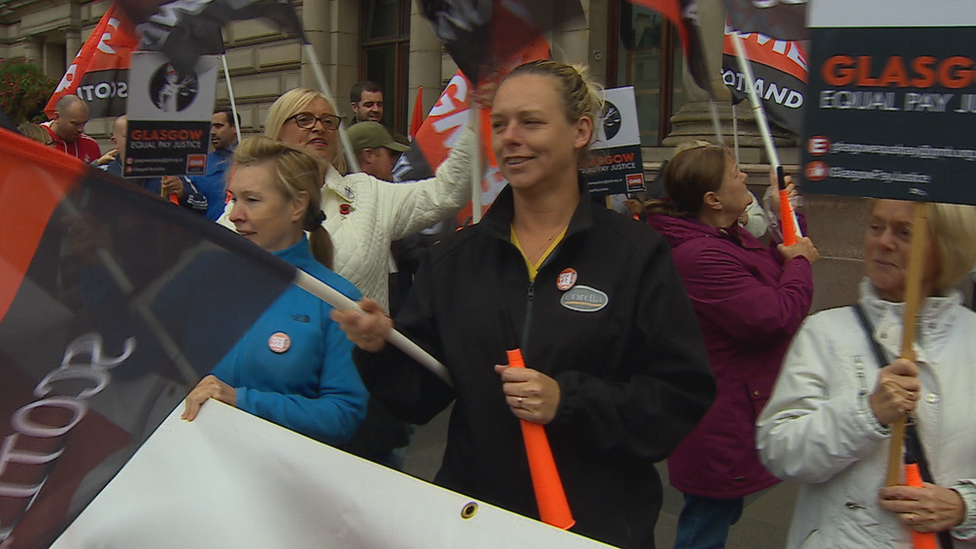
[{"x": 615, "y": 364}]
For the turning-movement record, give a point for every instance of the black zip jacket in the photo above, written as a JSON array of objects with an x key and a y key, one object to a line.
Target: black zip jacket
[{"x": 633, "y": 373}]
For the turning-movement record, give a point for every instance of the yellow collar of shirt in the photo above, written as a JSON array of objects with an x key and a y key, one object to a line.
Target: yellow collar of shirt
[{"x": 534, "y": 269}]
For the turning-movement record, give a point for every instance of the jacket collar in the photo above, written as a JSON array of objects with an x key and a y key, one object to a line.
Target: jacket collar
[
  {"x": 296, "y": 252},
  {"x": 679, "y": 230},
  {"x": 498, "y": 220},
  {"x": 936, "y": 318},
  {"x": 341, "y": 186}
]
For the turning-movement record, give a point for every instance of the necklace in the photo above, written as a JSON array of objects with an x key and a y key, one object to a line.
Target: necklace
[{"x": 539, "y": 249}]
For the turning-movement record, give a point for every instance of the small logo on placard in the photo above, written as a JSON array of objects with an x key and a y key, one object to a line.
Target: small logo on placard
[
  {"x": 635, "y": 182},
  {"x": 566, "y": 279},
  {"x": 817, "y": 171},
  {"x": 196, "y": 163},
  {"x": 279, "y": 342},
  {"x": 584, "y": 299},
  {"x": 818, "y": 145}
]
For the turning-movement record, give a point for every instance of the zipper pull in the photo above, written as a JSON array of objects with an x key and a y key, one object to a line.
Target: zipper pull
[{"x": 531, "y": 293}]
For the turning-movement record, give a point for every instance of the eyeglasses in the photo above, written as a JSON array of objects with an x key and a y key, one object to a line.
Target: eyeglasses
[{"x": 307, "y": 120}]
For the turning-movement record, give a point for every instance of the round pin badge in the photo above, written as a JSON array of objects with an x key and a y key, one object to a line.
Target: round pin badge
[
  {"x": 279, "y": 342},
  {"x": 566, "y": 279}
]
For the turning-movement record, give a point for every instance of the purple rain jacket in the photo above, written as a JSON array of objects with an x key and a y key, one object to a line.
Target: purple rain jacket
[{"x": 749, "y": 306}]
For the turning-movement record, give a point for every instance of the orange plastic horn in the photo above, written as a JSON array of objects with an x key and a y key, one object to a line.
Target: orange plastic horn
[
  {"x": 549, "y": 493},
  {"x": 919, "y": 540}
]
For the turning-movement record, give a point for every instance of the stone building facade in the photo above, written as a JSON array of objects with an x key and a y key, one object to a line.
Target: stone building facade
[{"x": 390, "y": 42}]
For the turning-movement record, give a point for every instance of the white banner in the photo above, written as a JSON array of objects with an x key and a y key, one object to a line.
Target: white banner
[{"x": 229, "y": 479}]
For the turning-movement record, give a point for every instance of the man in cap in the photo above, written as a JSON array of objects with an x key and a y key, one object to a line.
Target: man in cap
[{"x": 375, "y": 148}]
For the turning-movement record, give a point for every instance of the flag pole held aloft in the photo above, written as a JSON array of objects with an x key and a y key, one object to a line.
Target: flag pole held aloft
[
  {"x": 347, "y": 147},
  {"x": 786, "y": 210}
]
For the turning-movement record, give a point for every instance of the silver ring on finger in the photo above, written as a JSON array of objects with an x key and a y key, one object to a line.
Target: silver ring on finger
[{"x": 519, "y": 399}]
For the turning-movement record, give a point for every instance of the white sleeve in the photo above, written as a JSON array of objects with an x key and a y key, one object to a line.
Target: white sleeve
[
  {"x": 815, "y": 424},
  {"x": 756, "y": 222},
  {"x": 409, "y": 207}
]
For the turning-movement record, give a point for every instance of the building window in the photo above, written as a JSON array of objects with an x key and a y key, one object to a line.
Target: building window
[
  {"x": 385, "y": 53},
  {"x": 644, "y": 53}
]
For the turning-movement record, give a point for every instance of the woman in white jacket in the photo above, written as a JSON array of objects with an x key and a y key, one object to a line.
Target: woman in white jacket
[
  {"x": 827, "y": 422},
  {"x": 363, "y": 214}
]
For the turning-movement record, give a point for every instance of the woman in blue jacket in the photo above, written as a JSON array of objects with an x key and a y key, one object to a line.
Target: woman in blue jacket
[{"x": 294, "y": 366}]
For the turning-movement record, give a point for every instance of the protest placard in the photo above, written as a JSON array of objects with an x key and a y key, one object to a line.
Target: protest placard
[
  {"x": 892, "y": 100},
  {"x": 169, "y": 116}
]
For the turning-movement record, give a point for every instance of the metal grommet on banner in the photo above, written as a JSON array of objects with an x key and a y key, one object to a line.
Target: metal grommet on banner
[{"x": 469, "y": 510}]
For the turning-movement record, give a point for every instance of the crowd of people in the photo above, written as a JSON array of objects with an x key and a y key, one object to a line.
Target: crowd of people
[{"x": 683, "y": 335}]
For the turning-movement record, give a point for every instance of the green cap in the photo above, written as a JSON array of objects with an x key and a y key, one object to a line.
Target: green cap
[{"x": 370, "y": 135}]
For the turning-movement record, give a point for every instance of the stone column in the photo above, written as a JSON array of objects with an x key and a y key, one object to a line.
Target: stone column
[
  {"x": 316, "y": 20},
  {"x": 33, "y": 50},
  {"x": 693, "y": 121},
  {"x": 72, "y": 44},
  {"x": 344, "y": 45},
  {"x": 425, "y": 62},
  {"x": 583, "y": 39}
]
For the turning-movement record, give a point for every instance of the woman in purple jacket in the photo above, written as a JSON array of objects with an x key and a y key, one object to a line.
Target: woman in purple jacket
[{"x": 750, "y": 300}]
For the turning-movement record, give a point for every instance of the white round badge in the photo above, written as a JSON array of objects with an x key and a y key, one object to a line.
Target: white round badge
[
  {"x": 279, "y": 342},
  {"x": 566, "y": 279}
]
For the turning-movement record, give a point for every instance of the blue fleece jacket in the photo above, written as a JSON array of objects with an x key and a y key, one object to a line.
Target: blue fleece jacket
[
  {"x": 213, "y": 185},
  {"x": 312, "y": 387}
]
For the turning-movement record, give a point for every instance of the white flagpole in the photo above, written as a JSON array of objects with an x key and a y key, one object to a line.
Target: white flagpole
[
  {"x": 716, "y": 122},
  {"x": 477, "y": 170},
  {"x": 328, "y": 294},
  {"x": 735, "y": 134},
  {"x": 758, "y": 112},
  {"x": 230, "y": 93},
  {"x": 313, "y": 59}
]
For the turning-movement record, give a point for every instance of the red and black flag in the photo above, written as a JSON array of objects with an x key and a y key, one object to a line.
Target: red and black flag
[
  {"x": 511, "y": 29},
  {"x": 482, "y": 36},
  {"x": 684, "y": 15},
  {"x": 112, "y": 305},
  {"x": 99, "y": 73},
  {"x": 780, "y": 70},
  {"x": 780, "y": 19},
  {"x": 186, "y": 30}
]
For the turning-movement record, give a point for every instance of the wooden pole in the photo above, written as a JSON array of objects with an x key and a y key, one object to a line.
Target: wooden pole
[{"x": 913, "y": 299}]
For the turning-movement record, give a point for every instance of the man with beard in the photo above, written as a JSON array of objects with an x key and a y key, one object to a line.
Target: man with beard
[
  {"x": 223, "y": 137},
  {"x": 366, "y": 100}
]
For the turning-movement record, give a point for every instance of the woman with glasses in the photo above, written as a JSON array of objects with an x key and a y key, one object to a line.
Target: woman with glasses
[
  {"x": 363, "y": 214},
  {"x": 750, "y": 300}
]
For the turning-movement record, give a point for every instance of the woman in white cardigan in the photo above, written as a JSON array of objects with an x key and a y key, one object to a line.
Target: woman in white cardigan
[{"x": 364, "y": 214}]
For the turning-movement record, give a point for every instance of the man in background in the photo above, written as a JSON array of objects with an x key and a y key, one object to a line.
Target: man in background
[
  {"x": 67, "y": 129},
  {"x": 366, "y": 100},
  {"x": 213, "y": 184},
  {"x": 375, "y": 148}
]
